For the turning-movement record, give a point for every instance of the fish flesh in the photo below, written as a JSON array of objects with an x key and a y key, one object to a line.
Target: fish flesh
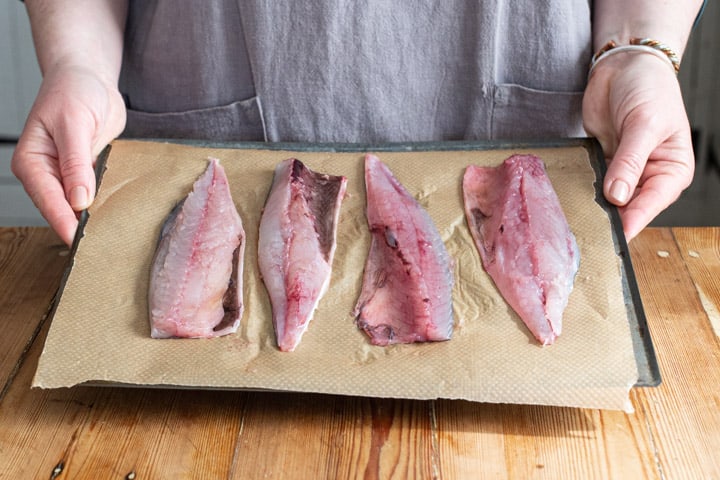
[
  {"x": 406, "y": 295},
  {"x": 524, "y": 240},
  {"x": 296, "y": 245},
  {"x": 196, "y": 282}
]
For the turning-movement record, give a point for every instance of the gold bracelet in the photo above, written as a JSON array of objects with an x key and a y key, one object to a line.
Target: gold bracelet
[{"x": 638, "y": 44}]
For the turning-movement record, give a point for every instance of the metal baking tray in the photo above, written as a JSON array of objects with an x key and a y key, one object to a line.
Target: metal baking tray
[{"x": 648, "y": 370}]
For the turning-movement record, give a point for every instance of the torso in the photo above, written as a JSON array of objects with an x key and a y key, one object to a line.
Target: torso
[{"x": 356, "y": 71}]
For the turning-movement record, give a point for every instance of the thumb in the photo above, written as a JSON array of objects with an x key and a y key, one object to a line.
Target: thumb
[
  {"x": 75, "y": 159},
  {"x": 626, "y": 167}
]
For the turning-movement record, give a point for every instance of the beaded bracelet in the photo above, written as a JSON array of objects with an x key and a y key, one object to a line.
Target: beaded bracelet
[{"x": 646, "y": 45}]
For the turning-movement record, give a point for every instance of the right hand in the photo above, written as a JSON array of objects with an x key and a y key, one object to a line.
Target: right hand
[
  {"x": 634, "y": 107},
  {"x": 75, "y": 115}
]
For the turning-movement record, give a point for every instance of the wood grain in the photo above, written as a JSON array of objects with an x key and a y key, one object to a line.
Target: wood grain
[
  {"x": 31, "y": 264},
  {"x": 517, "y": 442},
  {"x": 109, "y": 432},
  {"x": 683, "y": 418},
  {"x": 700, "y": 250}
]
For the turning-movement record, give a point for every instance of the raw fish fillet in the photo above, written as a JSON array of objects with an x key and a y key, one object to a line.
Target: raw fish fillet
[
  {"x": 407, "y": 284},
  {"x": 296, "y": 245},
  {"x": 196, "y": 277},
  {"x": 524, "y": 240}
]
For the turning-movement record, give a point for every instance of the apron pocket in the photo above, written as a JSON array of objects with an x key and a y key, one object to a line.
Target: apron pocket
[
  {"x": 236, "y": 122},
  {"x": 522, "y": 112}
]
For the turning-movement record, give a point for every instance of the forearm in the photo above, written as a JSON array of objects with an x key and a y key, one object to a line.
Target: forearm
[
  {"x": 79, "y": 33},
  {"x": 668, "y": 21}
]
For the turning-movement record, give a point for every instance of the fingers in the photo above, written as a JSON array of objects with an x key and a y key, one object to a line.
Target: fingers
[
  {"x": 653, "y": 196},
  {"x": 49, "y": 197},
  {"x": 42, "y": 184},
  {"x": 651, "y": 167},
  {"x": 662, "y": 174},
  {"x": 75, "y": 159},
  {"x": 75, "y": 114},
  {"x": 627, "y": 164},
  {"x": 55, "y": 166}
]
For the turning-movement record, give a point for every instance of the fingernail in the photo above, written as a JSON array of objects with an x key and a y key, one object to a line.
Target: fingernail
[
  {"x": 78, "y": 198},
  {"x": 619, "y": 191}
]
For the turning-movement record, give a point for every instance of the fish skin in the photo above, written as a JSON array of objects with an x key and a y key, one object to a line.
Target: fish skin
[
  {"x": 406, "y": 295},
  {"x": 524, "y": 240},
  {"x": 196, "y": 283},
  {"x": 296, "y": 245}
]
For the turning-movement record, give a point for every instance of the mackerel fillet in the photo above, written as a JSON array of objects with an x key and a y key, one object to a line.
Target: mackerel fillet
[
  {"x": 406, "y": 295},
  {"x": 196, "y": 277},
  {"x": 524, "y": 240},
  {"x": 296, "y": 244}
]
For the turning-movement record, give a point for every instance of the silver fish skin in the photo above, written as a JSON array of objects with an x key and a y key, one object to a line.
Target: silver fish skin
[
  {"x": 196, "y": 280},
  {"x": 524, "y": 240},
  {"x": 406, "y": 295},
  {"x": 296, "y": 245}
]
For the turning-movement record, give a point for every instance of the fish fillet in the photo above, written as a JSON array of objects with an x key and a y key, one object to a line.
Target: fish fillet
[
  {"x": 296, "y": 244},
  {"x": 196, "y": 278},
  {"x": 524, "y": 240},
  {"x": 407, "y": 283}
]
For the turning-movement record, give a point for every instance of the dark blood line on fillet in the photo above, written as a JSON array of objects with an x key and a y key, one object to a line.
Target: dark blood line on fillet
[
  {"x": 320, "y": 192},
  {"x": 230, "y": 299}
]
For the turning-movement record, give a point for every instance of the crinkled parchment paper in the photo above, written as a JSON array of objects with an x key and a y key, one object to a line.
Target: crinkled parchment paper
[{"x": 100, "y": 330}]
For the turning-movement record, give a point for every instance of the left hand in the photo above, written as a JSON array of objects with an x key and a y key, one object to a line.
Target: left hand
[
  {"x": 74, "y": 116},
  {"x": 633, "y": 106}
]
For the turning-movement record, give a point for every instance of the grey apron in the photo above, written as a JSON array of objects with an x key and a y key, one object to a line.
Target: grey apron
[{"x": 355, "y": 70}]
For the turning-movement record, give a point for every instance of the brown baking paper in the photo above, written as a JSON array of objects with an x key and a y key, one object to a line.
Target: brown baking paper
[{"x": 100, "y": 330}]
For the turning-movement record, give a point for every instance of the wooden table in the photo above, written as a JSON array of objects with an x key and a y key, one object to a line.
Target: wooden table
[{"x": 126, "y": 433}]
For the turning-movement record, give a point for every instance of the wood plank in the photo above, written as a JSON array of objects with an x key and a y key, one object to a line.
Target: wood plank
[
  {"x": 321, "y": 436},
  {"x": 683, "y": 418},
  {"x": 519, "y": 442},
  {"x": 94, "y": 432},
  {"x": 27, "y": 285},
  {"x": 505, "y": 441},
  {"x": 546, "y": 442},
  {"x": 103, "y": 432},
  {"x": 701, "y": 252},
  {"x": 158, "y": 434},
  {"x": 108, "y": 432},
  {"x": 40, "y": 429}
]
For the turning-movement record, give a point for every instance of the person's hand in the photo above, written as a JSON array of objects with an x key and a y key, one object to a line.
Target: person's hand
[
  {"x": 634, "y": 107},
  {"x": 75, "y": 115}
]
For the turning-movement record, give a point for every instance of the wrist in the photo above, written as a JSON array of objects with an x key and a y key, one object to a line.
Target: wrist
[
  {"x": 626, "y": 37},
  {"x": 79, "y": 34},
  {"x": 638, "y": 45},
  {"x": 67, "y": 67},
  {"x": 670, "y": 22}
]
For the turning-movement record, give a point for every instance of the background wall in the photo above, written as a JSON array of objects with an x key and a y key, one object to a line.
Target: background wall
[
  {"x": 699, "y": 78},
  {"x": 19, "y": 82},
  {"x": 700, "y": 81}
]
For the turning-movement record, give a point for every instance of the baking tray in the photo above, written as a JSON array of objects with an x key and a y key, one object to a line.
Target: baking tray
[
  {"x": 99, "y": 336},
  {"x": 647, "y": 365}
]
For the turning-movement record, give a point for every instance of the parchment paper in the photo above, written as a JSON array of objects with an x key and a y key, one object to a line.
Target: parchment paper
[{"x": 100, "y": 330}]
